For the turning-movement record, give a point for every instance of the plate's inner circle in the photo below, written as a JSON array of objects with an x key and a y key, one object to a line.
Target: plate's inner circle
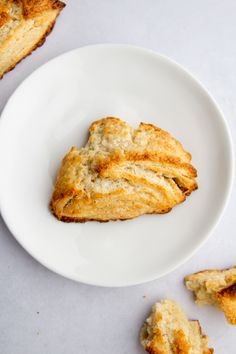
[{"x": 51, "y": 112}]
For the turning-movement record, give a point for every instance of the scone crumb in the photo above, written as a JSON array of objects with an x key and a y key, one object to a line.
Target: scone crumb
[
  {"x": 215, "y": 287},
  {"x": 168, "y": 331}
]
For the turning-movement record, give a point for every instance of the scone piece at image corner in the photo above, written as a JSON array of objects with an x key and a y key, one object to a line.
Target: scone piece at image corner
[
  {"x": 215, "y": 287},
  {"x": 168, "y": 331},
  {"x": 24, "y": 25},
  {"x": 122, "y": 173}
]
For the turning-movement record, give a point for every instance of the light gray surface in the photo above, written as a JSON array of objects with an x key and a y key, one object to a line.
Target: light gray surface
[{"x": 43, "y": 313}]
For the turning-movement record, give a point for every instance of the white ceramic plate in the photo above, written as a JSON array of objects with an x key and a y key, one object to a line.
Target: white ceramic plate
[{"x": 52, "y": 110}]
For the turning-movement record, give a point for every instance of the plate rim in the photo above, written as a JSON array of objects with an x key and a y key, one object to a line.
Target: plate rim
[{"x": 230, "y": 156}]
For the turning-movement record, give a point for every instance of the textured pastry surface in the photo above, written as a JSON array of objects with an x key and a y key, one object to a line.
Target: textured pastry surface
[
  {"x": 122, "y": 173},
  {"x": 167, "y": 330},
  {"x": 24, "y": 25},
  {"x": 215, "y": 287}
]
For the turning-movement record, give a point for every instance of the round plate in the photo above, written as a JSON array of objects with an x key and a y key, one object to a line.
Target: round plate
[{"x": 52, "y": 110}]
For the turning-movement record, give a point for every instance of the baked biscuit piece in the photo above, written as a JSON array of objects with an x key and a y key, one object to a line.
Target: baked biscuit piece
[
  {"x": 24, "y": 25},
  {"x": 215, "y": 287},
  {"x": 167, "y": 330},
  {"x": 122, "y": 173}
]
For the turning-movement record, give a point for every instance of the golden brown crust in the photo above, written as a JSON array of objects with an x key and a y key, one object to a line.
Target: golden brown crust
[
  {"x": 122, "y": 173},
  {"x": 84, "y": 220},
  {"x": 4, "y": 18},
  {"x": 227, "y": 302},
  {"x": 146, "y": 156},
  {"x": 33, "y": 9},
  {"x": 216, "y": 287}
]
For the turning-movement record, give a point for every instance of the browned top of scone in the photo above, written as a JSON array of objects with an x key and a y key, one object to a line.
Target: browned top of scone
[
  {"x": 29, "y": 8},
  {"x": 32, "y": 8}
]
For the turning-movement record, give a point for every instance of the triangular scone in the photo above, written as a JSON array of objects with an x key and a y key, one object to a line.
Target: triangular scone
[
  {"x": 215, "y": 287},
  {"x": 122, "y": 173},
  {"x": 168, "y": 331},
  {"x": 24, "y": 25}
]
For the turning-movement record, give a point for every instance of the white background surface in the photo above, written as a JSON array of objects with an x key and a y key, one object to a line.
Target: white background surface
[{"x": 43, "y": 313}]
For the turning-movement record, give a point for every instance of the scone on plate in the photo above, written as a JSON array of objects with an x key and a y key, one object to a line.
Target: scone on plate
[
  {"x": 122, "y": 173},
  {"x": 168, "y": 331},
  {"x": 24, "y": 25},
  {"x": 215, "y": 287}
]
